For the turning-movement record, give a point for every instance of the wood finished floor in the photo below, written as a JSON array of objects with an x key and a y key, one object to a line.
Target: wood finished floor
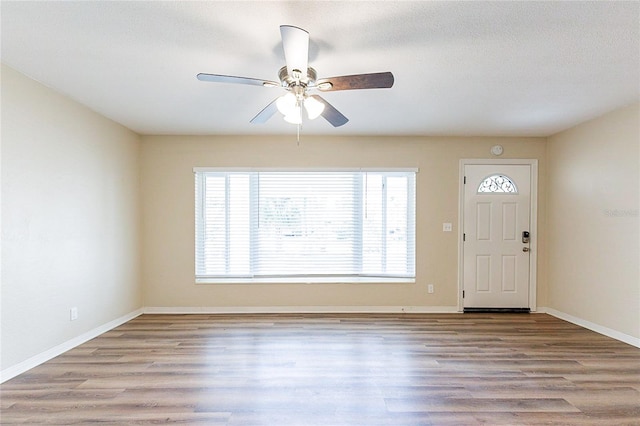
[{"x": 347, "y": 369}]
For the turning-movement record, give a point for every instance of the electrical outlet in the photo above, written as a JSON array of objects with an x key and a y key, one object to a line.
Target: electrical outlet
[
  {"x": 73, "y": 313},
  {"x": 430, "y": 288}
]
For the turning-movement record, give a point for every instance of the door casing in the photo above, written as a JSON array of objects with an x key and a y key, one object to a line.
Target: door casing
[{"x": 533, "y": 259}]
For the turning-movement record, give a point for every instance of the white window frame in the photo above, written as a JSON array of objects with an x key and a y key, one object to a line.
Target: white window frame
[{"x": 356, "y": 278}]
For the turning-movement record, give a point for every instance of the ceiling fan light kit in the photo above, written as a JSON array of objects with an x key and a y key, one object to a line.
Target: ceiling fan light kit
[{"x": 300, "y": 80}]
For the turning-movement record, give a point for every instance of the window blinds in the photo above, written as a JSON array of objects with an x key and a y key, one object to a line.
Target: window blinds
[{"x": 305, "y": 223}]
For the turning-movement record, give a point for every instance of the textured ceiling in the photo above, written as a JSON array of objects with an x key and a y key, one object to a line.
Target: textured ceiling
[{"x": 461, "y": 68}]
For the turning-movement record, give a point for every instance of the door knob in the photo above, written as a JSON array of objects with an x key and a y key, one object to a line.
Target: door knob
[{"x": 525, "y": 249}]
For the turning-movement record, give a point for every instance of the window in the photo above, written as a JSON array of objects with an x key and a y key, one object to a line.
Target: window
[
  {"x": 287, "y": 224},
  {"x": 497, "y": 183}
]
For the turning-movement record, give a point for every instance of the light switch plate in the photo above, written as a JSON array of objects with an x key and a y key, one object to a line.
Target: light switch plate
[{"x": 447, "y": 227}]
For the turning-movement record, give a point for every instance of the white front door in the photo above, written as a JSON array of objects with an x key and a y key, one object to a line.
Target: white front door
[{"x": 496, "y": 236}]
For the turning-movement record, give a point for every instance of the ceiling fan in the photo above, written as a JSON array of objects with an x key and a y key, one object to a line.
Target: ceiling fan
[{"x": 300, "y": 81}]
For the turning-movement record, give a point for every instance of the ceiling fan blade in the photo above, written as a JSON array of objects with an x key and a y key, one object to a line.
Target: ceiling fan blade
[
  {"x": 295, "y": 42},
  {"x": 218, "y": 78},
  {"x": 266, "y": 113},
  {"x": 331, "y": 114},
  {"x": 378, "y": 80}
]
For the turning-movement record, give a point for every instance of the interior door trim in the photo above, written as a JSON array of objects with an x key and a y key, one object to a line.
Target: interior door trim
[{"x": 533, "y": 259}]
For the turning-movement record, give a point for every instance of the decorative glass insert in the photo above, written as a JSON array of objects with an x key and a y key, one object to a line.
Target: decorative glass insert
[{"x": 497, "y": 183}]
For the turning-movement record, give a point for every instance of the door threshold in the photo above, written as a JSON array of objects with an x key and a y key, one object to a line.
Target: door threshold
[{"x": 497, "y": 310}]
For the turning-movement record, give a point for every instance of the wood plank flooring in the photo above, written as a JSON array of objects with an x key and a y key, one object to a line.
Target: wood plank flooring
[{"x": 347, "y": 369}]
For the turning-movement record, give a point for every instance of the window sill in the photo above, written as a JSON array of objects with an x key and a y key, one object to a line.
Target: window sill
[{"x": 308, "y": 280}]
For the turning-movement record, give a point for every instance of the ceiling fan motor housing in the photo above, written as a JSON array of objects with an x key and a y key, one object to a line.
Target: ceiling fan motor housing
[{"x": 297, "y": 79}]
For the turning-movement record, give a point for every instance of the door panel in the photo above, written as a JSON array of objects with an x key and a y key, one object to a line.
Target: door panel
[
  {"x": 509, "y": 221},
  {"x": 509, "y": 275},
  {"x": 483, "y": 273},
  {"x": 496, "y": 212},
  {"x": 483, "y": 221}
]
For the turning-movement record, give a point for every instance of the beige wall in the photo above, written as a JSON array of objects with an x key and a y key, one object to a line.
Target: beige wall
[
  {"x": 168, "y": 211},
  {"x": 70, "y": 219},
  {"x": 593, "y": 215},
  {"x": 97, "y": 217}
]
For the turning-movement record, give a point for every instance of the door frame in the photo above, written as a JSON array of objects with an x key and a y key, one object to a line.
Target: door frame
[{"x": 533, "y": 258}]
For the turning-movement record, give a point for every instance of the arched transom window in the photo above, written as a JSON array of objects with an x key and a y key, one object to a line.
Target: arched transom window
[{"x": 497, "y": 183}]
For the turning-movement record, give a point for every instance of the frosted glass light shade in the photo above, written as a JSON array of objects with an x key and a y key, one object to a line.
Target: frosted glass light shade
[
  {"x": 295, "y": 116},
  {"x": 314, "y": 108},
  {"x": 286, "y": 103}
]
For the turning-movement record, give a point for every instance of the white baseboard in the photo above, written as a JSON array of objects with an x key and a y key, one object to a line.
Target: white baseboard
[
  {"x": 34, "y": 361},
  {"x": 300, "y": 309},
  {"x": 633, "y": 341}
]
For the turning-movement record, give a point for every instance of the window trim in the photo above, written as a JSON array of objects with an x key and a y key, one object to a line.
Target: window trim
[
  {"x": 307, "y": 169},
  {"x": 307, "y": 279}
]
